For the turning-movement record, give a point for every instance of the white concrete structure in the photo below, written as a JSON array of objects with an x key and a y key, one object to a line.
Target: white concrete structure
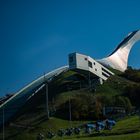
[
  {"x": 118, "y": 59},
  {"x": 13, "y": 104},
  {"x": 86, "y": 63}
]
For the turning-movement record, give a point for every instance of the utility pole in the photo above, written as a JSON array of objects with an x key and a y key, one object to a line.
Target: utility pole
[
  {"x": 89, "y": 80},
  {"x": 104, "y": 112},
  {"x": 47, "y": 100},
  {"x": 80, "y": 85},
  {"x": 3, "y": 121},
  {"x": 70, "y": 111}
]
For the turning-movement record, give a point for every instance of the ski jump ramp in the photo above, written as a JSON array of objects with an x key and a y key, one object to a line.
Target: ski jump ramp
[
  {"x": 13, "y": 104},
  {"x": 118, "y": 59}
]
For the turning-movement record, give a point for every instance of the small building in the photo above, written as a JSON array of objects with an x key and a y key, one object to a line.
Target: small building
[{"x": 88, "y": 65}]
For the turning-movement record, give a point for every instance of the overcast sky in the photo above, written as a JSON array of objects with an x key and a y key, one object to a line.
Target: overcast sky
[{"x": 36, "y": 36}]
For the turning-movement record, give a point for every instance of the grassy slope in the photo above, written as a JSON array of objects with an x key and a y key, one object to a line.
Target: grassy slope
[
  {"x": 111, "y": 87},
  {"x": 115, "y": 85},
  {"x": 135, "y": 136},
  {"x": 128, "y": 128}
]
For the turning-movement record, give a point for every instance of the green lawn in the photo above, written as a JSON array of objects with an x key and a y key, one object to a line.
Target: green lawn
[
  {"x": 126, "y": 129},
  {"x": 135, "y": 136}
]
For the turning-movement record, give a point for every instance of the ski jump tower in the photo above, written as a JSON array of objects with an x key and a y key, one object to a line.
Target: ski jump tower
[{"x": 118, "y": 59}]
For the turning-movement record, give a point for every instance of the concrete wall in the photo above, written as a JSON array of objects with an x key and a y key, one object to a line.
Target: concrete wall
[{"x": 83, "y": 62}]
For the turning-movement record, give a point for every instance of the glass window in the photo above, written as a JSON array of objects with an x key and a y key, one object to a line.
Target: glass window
[
  {"x": 89, "y": 64},
  {"x": 104, "y": 70},
  {"x": 105, "y": 75},
  {"x": 70, "y": 59}
]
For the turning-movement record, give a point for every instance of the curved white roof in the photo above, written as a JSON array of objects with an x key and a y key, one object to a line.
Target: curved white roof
[
  {"x": 118, "y": 59},
  {"x": 13, "y": 104}
]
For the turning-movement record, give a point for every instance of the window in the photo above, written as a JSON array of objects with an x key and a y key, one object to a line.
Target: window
[
  {"x": 105, "y": 75},
  {"x": 89, "y": 64},
  {"x": 106, "y": 71},
  {"x": 70, "y": 59},
  {"x": 94, "y": 63},
  {"x": 95, "y": 69},
  {"x": 86, "y": 59}
]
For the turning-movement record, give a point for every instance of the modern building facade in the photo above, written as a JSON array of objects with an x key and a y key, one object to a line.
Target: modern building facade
[
  {"x": 118, "y": 59},
  {"x": 10, "y": 107},
  {"x": 80, "y": 62}
]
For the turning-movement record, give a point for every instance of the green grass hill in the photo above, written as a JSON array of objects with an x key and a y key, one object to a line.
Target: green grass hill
[{"x": 87, "y": 102}]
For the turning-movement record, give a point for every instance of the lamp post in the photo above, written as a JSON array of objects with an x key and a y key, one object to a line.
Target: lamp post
[
  {"x": 46, "y": 91},
  {"x": 47, "y": 101},
  {"x": 70, "y": 111},
  {"x": 89, "y": 80},
  {"x": 3, "y": 122}
]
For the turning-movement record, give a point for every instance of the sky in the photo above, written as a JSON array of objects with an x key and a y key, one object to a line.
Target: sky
[{"x": 36, "y": 36}]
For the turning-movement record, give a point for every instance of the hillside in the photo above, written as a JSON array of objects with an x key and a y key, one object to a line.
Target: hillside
[
  {"x": 87, "y": 104},
  {"x": 128, "y": 128}
]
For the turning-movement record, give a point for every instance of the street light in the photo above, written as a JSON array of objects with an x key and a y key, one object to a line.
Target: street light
[
  {"x": 3, "y": 121},
  {"x": 89, "y": 80},
  {"x": 46, "y": 91},
  {"x": 3, "y": 127},
  {"x": 70, "y": 111}
]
